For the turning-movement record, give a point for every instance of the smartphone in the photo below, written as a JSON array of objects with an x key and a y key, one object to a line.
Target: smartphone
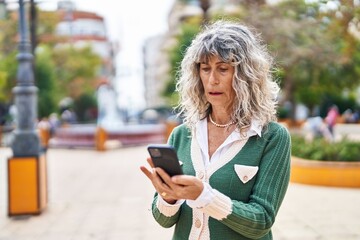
[{"x": 165, "y": 157}]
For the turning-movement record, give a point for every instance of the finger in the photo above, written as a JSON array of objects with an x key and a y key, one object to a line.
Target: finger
[
  {"x": 168, "y": 185},
  {"x": 164, "y": 176},
  {"x": 146, "y": 172},
  {"x": 185, "y": 180},
  {"x": 159, "y": 186},
  {"x": 149, "y": 160},
  {"x": 158, "y": 182},
  {"x": 152, "y": 175}
]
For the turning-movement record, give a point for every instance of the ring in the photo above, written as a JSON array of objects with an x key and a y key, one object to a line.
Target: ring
[{"x": 163, "y": 194}]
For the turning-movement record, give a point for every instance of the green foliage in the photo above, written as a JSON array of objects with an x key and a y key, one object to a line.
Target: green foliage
[
  {"x": 2, "y": 85},
  {"x": 320, "y": 149},
  {"x": 8, "y": 70},
  {"x": 3, "y": 81},
  {"x": 45, "y": 81},
  {"x": 46, "y": 24},
  {"x": 341, "y": 101},
  {"x": 189, "y": 30},
  {"x": 85, "y": 107},
  {"x": 76, "y": 69},
  {"x": 60, "y": 70},
  {"x": 314, "y": 49},
  {"x": 8, "y": 50},
  {"x": 282, "y": 112},
  {"x": 9, "y": 29},
  {"x": 315, "y": 53}
]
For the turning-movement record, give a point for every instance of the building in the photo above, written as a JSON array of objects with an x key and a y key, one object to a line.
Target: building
[
  {"x": 86, "y": 28},
  {"x": 155, "y": 70},
  {"x": 81, "y": 29}
]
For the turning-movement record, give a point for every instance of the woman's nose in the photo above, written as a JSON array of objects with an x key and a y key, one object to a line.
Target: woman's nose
[{"x": 212, "y": 78}]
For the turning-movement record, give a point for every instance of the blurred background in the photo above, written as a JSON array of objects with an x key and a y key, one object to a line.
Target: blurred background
[
  {"x": 115, "y": 63},
  {"x": 105, "y": 75}
]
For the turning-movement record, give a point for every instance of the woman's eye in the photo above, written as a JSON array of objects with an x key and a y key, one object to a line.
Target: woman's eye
[
  {"x": 223, "y": 69},
  {"x": 205, "y": 69}
]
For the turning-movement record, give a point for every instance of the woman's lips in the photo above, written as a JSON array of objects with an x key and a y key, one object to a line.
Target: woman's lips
[{"x": 215, "y": 93}]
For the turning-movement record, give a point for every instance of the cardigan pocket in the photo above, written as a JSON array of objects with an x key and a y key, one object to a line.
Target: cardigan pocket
[{"x": 245, "y": 173}]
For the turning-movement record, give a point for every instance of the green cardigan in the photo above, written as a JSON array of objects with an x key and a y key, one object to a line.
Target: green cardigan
[{"x": 239, "y": 210}]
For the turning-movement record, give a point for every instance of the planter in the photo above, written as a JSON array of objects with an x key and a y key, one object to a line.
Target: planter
[{"x": 334, "y": 174}]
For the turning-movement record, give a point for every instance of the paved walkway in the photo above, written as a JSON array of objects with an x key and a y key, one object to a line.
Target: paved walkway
[{"x": 104, "y": 196}]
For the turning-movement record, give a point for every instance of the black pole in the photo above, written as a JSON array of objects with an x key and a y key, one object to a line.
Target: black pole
[{"x": 33, "y": 26}]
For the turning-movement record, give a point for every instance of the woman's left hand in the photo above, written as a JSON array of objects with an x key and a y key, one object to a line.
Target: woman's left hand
[{"x": 181, "y": 186}]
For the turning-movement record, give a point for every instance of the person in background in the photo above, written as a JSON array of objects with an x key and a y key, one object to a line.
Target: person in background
[
  {"x": 68, "y": 116},
  {"x": 54, "y": 123},
  {"x": 315, "y": 127},
  {"x": 235, "y": 156},
  {"x": 331, "y": 118},
  {"x": 356, "y": 116},
  {"x": 350, "y": 117}
]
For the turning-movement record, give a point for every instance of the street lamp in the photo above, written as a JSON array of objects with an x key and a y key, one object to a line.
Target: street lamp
[
  {"x": 27, "y": 168},
  {"x": 26, "y": 140}
]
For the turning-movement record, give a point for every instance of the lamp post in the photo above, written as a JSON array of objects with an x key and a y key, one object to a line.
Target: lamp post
[
  {"x": 27, "y": 180},
  {"x": 26, "y": 140}
]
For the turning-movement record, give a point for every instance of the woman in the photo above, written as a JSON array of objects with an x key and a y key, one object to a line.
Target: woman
[{"x": 236, "y": 158}]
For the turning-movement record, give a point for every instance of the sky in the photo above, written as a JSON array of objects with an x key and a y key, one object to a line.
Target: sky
[{"x": 129, "y": 23}]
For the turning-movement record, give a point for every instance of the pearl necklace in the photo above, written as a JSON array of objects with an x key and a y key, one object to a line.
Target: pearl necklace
[{"x": 221, "y": 125}]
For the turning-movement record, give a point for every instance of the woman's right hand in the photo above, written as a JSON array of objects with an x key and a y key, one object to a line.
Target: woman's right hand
[{"x": 160, "y": 185}]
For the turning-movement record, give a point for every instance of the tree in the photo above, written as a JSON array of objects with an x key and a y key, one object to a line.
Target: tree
[
  {"x": 205, "y": 5},
  {"x": 45, "y": 81},
  {"x": 315, "y": 52},
  {"x": 7, "y": 76},
  {"x": 71, "y": 71},
  {"x": 8, "y": 49},
  {"x": 76, "y": 70},
  {"x": 86, "y": 107},
  {"x": 8, "y": 33},
  {"x": 187, "y": 33},
  {"x": 310, "y": 55}
]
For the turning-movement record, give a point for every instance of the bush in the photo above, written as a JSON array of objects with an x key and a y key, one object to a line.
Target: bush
[
  {"x": 86, "y": 108},
  {"x": 320, "y": 149}
]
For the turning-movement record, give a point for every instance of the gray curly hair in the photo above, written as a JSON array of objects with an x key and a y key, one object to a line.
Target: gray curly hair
[{"x": 256, "y": 91}]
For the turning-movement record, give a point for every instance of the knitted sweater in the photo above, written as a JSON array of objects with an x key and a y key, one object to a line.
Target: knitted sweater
[{"x": 248, "y": 187}]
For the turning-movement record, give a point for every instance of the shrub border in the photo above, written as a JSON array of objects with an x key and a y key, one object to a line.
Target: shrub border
[{"x": 325, "y": 173}]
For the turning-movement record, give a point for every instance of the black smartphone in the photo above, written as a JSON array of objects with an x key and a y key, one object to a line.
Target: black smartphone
[{"x": 165, "y": 157}]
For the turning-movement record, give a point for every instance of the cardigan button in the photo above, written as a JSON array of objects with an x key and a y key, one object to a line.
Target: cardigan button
[
  {"x": 245, "y": 178},
  {"x": 201, "y": 175},
  {"x": 197, "y": 223}
]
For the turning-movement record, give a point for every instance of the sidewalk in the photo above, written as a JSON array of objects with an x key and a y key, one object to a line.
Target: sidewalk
[{"x": 104, "y": 196}]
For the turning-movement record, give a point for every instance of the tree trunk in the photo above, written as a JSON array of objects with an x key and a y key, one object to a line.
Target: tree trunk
[
  {"x": 289, "y": 89},
  {"x": 205, "y": 5}
]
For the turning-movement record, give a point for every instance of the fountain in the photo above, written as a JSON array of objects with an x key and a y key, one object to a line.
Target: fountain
[{"x": 110, "y": 130}]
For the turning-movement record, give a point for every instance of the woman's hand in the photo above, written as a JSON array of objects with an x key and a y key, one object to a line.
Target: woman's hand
[
  {"x": 160, "y": 186},
  {"x": 173, "y": 188}
]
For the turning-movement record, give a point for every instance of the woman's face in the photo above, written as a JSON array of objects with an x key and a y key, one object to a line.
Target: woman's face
[{"x": 216, "y": 77}]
